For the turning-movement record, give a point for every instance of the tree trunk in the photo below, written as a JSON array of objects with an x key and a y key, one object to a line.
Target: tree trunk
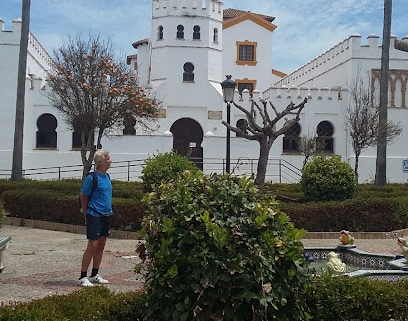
[
  {"x": 17, "y": 166},
  {"x": 381, "y": 161},
  {"x": 262, "y": 163}
]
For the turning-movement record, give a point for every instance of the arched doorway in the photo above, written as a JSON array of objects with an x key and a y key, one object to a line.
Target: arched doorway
[{"x": 187, "y": 139}]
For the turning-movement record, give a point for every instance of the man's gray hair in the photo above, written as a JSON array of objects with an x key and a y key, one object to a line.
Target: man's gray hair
[{"x": 99, "y": 156}]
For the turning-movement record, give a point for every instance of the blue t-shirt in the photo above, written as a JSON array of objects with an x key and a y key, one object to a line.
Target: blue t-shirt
[{"x": 100, "y": 202}]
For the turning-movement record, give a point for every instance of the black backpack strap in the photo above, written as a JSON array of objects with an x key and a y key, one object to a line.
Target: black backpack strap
[{"x": 94, "y": 183}]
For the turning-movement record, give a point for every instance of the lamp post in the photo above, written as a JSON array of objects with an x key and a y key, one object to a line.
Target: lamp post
[{"x": 228, "y": 90}]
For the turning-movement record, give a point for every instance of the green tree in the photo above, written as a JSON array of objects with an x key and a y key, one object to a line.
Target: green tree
[
  {"x": 17, "y": 166},
  {"x": 96, "y": 92}
]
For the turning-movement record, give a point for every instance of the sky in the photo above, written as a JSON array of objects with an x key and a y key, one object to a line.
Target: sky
[{"x": 305, "y": 29}]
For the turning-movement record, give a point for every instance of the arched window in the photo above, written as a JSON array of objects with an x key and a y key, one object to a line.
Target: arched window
[
  {"x": 291, "y": 140},
  {"x": 325, "y": 136},
  {"x": 129, "y": 122},
  {"x": 180, "y": 32},
  {"x": 243, "y": 125},
  {"x": 160, "y": 33},
  {"x": 46, "y": 134},
  {"x": 215, "y": 36},
  {"x": 188, "y": 74},
  {"x": 196, "y": 32}
]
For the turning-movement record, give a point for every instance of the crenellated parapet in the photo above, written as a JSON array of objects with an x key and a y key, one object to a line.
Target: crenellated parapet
[
  {"x": 193, "y": 8},
  {"x": 35, "y": 49},
  {"x": 350, "y": 48},
  {"x": 294, "y": 94},
  {"x": 10, "y": 36}
]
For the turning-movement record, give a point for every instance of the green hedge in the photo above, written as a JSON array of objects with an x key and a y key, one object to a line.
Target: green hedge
[
  {"x": 359, "y": 214},
  {"x": 345, "y": 299},
  {"x": 339, "y": 298},
  {"x": 378, "y": 208},
  {"x": 96, "y": 303},
  {"x": 62, "y": 207}
]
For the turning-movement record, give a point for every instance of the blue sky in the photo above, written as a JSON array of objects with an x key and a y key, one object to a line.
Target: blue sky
[{"x": 305, "y": 29}]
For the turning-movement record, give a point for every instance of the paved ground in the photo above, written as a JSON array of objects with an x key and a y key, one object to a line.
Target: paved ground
[{"x": 39, "y": 262}]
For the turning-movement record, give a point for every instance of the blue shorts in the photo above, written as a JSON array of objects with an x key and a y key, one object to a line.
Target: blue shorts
[{"x": 98, "y": 226}]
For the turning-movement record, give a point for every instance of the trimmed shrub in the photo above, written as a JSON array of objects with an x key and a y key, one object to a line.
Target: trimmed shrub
[
  {"x": 327, "y": 178},
  {"x": 344, "y": 299},
  {"x": 164, "y": 167},
  {"x": 218, "y": 250},
  {"x": 96, "y": 303}
]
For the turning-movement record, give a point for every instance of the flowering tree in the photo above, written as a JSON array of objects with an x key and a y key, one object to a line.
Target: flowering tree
[{"x": 95, "y": 93}]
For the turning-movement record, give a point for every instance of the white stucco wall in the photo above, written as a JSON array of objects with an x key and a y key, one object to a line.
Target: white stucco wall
[{"x": 195, "y": 100}]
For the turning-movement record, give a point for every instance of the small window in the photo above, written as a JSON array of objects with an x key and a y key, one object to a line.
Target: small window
[
  {"x": 242, "y": 86},
  {"x": 76, "y": 140},
  {"x": 180, "y": 32},
  {"x": 291, "y": 140},
  {"x": 188, "y": 74},
  {"x": 129, "y": 123},
  {"x": 46, "y": 134},
  {"x": 243, "y": 125},
  {"x": 215, "y": 36},
  {"x": 325, "y": 136},
  {"x": 246, "y": 53},
  {"x": 246, "y": 83},
  {"x": 160, "y": 33},
  {"x": 196, "y": 33}
]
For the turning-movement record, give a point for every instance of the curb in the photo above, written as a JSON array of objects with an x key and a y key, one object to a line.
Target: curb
[
  {"x": 117, "y": 234},
  {"x": 62, "y": 227}
]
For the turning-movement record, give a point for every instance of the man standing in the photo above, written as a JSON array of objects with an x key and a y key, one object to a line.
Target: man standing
[{"x": 96, "y": 205}]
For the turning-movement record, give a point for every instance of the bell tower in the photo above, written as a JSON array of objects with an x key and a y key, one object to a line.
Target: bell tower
[{"x": 186, "y": 45}]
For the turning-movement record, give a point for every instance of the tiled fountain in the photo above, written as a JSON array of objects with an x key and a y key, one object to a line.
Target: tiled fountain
[{"x": 376, "y": 266}]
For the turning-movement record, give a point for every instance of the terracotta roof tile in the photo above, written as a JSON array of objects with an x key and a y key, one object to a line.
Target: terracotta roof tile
[
  {"x": 140, "y": 42},
  {"x": 232, "y": 13}
]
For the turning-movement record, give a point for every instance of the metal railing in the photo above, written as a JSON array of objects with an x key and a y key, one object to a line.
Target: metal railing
[{"x": 278, "y": 170}]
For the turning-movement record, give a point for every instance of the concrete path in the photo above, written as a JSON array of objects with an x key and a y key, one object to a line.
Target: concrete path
[{"x": 40, "y": 262}]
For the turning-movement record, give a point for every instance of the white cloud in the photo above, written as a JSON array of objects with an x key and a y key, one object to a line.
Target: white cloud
[{"x": 305, "y": 28}]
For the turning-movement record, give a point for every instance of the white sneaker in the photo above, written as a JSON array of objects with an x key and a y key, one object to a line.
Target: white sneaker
[
  {"x": 84, "y": 282},
  {"x": 98, "y": 279}
]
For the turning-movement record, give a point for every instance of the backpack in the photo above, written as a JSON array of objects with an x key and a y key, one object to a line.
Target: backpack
[{"x": 94, "y": 186}]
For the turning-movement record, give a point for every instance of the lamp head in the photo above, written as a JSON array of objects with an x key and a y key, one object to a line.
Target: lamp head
[{"x": 228, "y": 89}]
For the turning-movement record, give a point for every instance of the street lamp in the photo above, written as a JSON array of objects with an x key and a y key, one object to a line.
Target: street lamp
[{"x": 228, "y": 90}]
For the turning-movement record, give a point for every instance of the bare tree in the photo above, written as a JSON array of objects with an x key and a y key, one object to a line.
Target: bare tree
[
  {"x": 309, "y": 146},
  {"x": 17, "y": 166},
  {"x": 381, "y": 161},
  {"x": 96, "y": 93},
  {"x": 266, "y": 132},
  {"x": 362, "y": 119}
]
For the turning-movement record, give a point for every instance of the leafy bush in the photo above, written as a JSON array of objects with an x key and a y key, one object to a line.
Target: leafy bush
[
  {"x": 327, "y": 178},
  {"x": 339, "y": 298},
  {"x": 164, "y": 167},
  {"x": 218, "y": 250},
  {"x": 345, "y": 299},
  {"x": 96, "y": 303}
]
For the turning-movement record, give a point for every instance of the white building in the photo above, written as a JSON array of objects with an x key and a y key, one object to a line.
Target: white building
[{"x": 192, "y": 46}]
